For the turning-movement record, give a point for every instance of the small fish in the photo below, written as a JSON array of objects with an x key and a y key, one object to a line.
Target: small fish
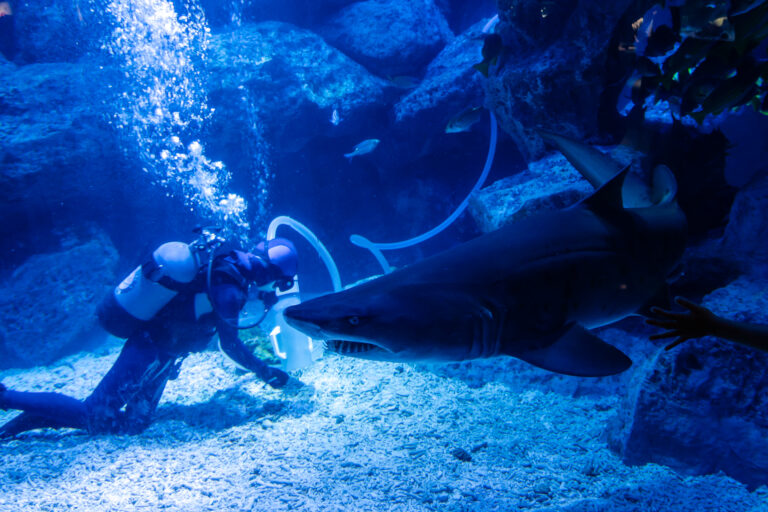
[
  {"x": 492, "y": 48},
  {"x": 363, "y": 148},
  {"x": 5, "y": 9},
  {"x": 463, "y": 122},
  {"x": 403, "y": 81}
]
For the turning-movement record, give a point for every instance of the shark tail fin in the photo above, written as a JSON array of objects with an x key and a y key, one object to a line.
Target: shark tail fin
[
  {"x": 580, "y": 353},
  {"x": 664, "y": 189}
]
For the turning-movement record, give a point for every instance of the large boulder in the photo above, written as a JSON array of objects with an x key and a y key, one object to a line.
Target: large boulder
[
  {"x": 56, "y": 147},
  {"x": 548, "y": 184},
  {"x": 63, "y": 164},
  {"x": 295, "y": 83},
  {"x": 450, "y": 85},
  {"x": 700, "y": 408},
  {"x": 47, "y": 304},
  {"x": 747, "y": 231},
  {"x": 390, "y": 37},
  {"x": 552, "y": 70},
  {"x": 461, "y": 14},
  {"x": 49, "y": 31},
  {"x": 304, "y": 13}
]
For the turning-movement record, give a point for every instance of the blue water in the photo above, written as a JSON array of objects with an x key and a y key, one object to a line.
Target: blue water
[{"x": 126, "y": 124}]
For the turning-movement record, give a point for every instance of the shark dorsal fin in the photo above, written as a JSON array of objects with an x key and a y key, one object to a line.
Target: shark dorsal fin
[{"x": 609, "y": 196}]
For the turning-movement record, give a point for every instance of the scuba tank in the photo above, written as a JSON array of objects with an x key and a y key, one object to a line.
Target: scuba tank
[{"x": 151, "y": 286}]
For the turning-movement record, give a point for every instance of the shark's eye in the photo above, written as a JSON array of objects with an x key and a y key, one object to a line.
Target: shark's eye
[{"x": 353, "y": 320}]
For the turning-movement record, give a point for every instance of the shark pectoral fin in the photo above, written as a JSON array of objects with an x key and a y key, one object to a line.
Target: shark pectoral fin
[
  {"x": 661, "y": 299},
  {"x": 578, "y": 352}
]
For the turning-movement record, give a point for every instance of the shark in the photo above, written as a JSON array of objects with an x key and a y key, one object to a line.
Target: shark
[{"x": 532, "y": 290}]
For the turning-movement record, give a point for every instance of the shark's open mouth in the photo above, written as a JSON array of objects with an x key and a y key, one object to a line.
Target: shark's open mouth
[{"x": 349, "y": 347}]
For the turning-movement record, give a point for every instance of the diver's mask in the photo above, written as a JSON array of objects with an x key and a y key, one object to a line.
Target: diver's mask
[{"x": 263, "y": 291}]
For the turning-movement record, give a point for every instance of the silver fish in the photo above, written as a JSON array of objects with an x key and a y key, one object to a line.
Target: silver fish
[
  {"x": 363, "y": 148},
  {"x": 463, "y": 122}
]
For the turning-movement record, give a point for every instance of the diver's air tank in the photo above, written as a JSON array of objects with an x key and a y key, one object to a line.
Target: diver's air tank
[{"x": 147, "y": 289}]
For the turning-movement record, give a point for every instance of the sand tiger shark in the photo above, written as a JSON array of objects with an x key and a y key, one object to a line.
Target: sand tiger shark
[{"x": 530, "y": 290}]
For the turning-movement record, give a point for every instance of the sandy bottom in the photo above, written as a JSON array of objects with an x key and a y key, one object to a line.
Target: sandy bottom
[{"x": 358, "y": 436}]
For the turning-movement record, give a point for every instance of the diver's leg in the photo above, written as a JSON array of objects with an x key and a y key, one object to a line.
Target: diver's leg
[
  {"x": 140, "y": 408},
  {"x": 27, "y": 421},
  {"x": 121, "y": 384},
  {"x": 52, "y": 409}
]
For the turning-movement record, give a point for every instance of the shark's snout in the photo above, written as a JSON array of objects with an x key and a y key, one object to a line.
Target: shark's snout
[{"x": 302, "y": 319}]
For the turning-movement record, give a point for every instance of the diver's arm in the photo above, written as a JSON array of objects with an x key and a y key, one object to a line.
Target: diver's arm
[
  {"x": 699, "y": 321},
  {"x": 229, "y": 300}
]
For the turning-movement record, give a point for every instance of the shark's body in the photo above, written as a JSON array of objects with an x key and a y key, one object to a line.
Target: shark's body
[{"x": 529, "y": 290}]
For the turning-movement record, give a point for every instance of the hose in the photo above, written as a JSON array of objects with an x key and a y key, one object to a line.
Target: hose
[
  {"x": 377, "y": 247},
  {"x": 304, "y": 231}
]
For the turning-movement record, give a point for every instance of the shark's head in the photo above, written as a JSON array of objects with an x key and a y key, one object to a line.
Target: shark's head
[{"x": 389, "y": 325}]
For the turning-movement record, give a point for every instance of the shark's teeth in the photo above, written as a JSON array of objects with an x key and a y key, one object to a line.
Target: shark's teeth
[{"x": 348, "y": 347}]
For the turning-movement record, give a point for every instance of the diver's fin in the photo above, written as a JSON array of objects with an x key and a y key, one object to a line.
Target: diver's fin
[
  {"x": 609, "y": 196},
  {"x": 579, "y": 352},
  {"x": 661, "y": 299},
  {"x": 482, "y": 67},
  {"x": 664, "y": 185}
]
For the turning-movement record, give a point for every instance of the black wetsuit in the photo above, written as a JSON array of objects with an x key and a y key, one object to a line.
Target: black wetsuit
[{"x": 127, "y": 396}]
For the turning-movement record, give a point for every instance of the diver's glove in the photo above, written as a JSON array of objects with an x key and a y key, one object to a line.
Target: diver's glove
[{"x": 276, "y": 377}]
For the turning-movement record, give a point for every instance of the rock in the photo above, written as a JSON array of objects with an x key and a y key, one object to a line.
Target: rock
[
  {"x": 551, "y": 73},
  {"x": 305, "y": 13},
  {"x": 47, "y": 305},
  {"x": 292, "y": 80},
  {"x": 57, "y": 31},
  {"x": 700, "y": 408},
  {"x": 6, "y": 66},
  {"x": 461, "y": 14},
  {"x": 54, "y": 143},
  {"x": 390, "y": 37},
  {"x": 450, "y": 85},
  {"x": 547, "y": 184},
  {"x": 63, "y": 165},
  {"x": 461, "y": 454},
  {"x": 747, "y": 231}
]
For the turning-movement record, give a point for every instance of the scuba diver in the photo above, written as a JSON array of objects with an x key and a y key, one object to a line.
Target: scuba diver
[{"x": 167, "y": 308}]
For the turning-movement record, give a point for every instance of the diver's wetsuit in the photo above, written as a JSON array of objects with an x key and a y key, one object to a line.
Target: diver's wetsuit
[{"x": 127, "y": 396}]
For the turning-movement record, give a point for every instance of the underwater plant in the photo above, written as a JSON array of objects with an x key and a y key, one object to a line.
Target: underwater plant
[{"x": 702, "y": 58}]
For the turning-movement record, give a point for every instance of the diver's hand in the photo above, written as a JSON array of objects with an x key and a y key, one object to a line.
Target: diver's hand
[
  {"x": 276, "y": 378},
  {"x": 698, "y": 321}
]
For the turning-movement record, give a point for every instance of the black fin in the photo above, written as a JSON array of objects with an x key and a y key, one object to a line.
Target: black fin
[
  {"x": 661, "y": 299},
  {"x": 482, "y": 67},
  {"x": 609, "y": 196},
  {"x": 579, "y": 352}
]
